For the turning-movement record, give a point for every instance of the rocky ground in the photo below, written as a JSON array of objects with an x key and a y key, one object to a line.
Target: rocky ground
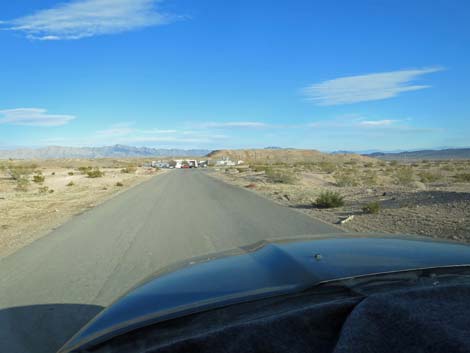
[{"x": 429, "y": 198}]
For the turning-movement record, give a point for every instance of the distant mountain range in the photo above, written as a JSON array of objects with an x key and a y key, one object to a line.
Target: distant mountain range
[
  {"x": 116, "y": 151},
  {"x": 448, "y": 153}
]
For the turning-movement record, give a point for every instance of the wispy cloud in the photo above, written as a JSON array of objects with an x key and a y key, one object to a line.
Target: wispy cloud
[
  {"x": 33, "y": 117},
  {"x": 370, "y": 87},
  {"x": 240, "y": 124},
  {"x": 87, "y": 18},
  {"x": 374, "y": 123}
]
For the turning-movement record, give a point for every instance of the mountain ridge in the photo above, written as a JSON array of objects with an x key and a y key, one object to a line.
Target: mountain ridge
[{"x": 57, "y": 152}]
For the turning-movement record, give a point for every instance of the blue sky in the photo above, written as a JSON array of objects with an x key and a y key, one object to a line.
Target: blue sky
[{"x": 328, "y": 75}]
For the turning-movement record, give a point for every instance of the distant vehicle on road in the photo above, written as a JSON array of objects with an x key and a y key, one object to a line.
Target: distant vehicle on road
[
  {"x": 337, "y": 293},
  {"x": 185, "y": 166}
]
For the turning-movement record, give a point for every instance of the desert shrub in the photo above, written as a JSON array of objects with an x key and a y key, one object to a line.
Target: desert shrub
[
  {"x": 393, "y": 163},
  {"x": 38, "y": 179},
  {"x": 368, "y": 165},
  {"x": 250, "y": 186},
  {"x": 462, "y": 177},
  {"x": 282, "y": 177},
  {"x": 70, "y": 173},
  {"x": 329, "y": 199},
  {"x": 22, "y": 184},
  {"x": 346, "y": 179},
  {"x": 129, "y": 170},
  {"x": 43, "y": 189},
  {"x": 51, "y": 191},
  {"x": 241, "y": 170},
  {"x": 20, "y": 171},
  {"x": 85, "y": 170},
  {"x": 260, "y": 168},
  {"x": 428, "y": 177},
  {"x": 53, "y": 173},
  {"x": 95, "y": 173},
  {"x": 327, "y": 167},
  {"x": 70, "y": 183},
  {"x": 370, "y": 178},
  {"x": 119, "y": 184},
  {"x": 448, "y": 168},
  {"x": 371, "y": 208},
  {"x": 404, "y": 176}
]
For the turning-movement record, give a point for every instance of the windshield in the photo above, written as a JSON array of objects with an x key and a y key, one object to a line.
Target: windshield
[{"x": 139, "y": 134}]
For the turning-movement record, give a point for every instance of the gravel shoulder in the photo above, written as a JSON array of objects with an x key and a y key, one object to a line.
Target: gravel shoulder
[{"x": 438, "y": 209}]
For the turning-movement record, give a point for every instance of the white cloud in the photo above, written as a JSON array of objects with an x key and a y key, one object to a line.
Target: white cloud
[
  {"x": 33, "y": 117},
  {"x": 370, "y": 87},
  {"x": 240, "y": 124},
  {"x": 377, "y": 123},
  {"x": 86, "y": 18}
]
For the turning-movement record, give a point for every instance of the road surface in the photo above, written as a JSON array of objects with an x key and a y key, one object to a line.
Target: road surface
[{"x": 51, "y": 288}]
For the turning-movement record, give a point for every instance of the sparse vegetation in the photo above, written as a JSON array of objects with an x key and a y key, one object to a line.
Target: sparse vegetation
[
  {"x": 327, "y": 167},
  {"x": 283, "y": 177},
  {"x": 70, "y": 173},
  {"x": 119, "y": 184},
  {"x": 428, "y": 177},
  {"x": 95, "y": 173},
  {"x": 462, "y": 177},
  {"x": 22, "y": 184},
  {"x": 329, "y": 199},
  {"x": 85, "y": 170},
  {"x": 371, "y": 208},
  {"x": 71, "y": 183},
  {"x": 129, "y": 170},
  {"x": 43, "y": 189},
  {"x": 404, "y": 176},
  {"x": 346, "y": 178},
  {"x": 39, "y": 179}
]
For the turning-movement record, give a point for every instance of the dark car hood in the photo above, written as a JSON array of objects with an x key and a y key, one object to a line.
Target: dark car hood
[{"x": 264, "y": 269}]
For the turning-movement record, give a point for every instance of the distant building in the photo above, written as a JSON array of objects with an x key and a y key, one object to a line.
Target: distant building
[{"x": 225, "y": 161}]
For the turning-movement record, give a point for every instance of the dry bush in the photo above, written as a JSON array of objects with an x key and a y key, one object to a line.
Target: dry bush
[
  {"x": 22, "y": 184},
  {"x": 43, "y": 189},
  {"x": 327, "y": 167},
  {"x": 282, "y": 177},
  {"x": 39, "y": 179},
  {"x": 462, "y": 177},
  {"x": 370, "y": 178},
  {"x": 329, "y": 199},
  {"x": 70, "y": 173},
  {"x": 346, "y": 178},
  {"x": 20, "y": 171},
  {"x": 428, "y": 177},
  {"x": 95, "y": 173},
  {"x": 371, "y": 208},
  {"x": 70, "y": 183},
  {"x": 404, "y": 176},
  {"x": 119, "y": 184},
  {"x": 129, "y": 170},
  {"x": 85, "y": 170}
]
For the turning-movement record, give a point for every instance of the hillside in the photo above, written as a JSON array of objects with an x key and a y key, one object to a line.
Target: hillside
[
  {"x": 122, "y": 151},
  {"x": 283, "y": 155},
  {"x": 445, "y": 154}
]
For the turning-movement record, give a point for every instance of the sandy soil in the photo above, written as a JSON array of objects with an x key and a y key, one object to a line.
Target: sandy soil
[
  {"x": 27, "y": 215},
  {"x": 439, "y": 208}
]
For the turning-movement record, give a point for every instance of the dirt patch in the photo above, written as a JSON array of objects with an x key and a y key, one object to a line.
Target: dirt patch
[
  {"x": 35, "y": 208},
  {"x": 423, "y": 198}
]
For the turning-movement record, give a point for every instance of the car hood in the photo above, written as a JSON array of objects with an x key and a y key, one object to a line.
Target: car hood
[{"x": 264, "y": 269}]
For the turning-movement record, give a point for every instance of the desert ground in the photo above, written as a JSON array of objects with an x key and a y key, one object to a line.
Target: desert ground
[
  {"x": 39, "y": 195},
  {"x": 430, "y": 198}
]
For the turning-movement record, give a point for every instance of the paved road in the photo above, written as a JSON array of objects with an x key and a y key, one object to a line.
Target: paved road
[{"x": 49, "y": 289}]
